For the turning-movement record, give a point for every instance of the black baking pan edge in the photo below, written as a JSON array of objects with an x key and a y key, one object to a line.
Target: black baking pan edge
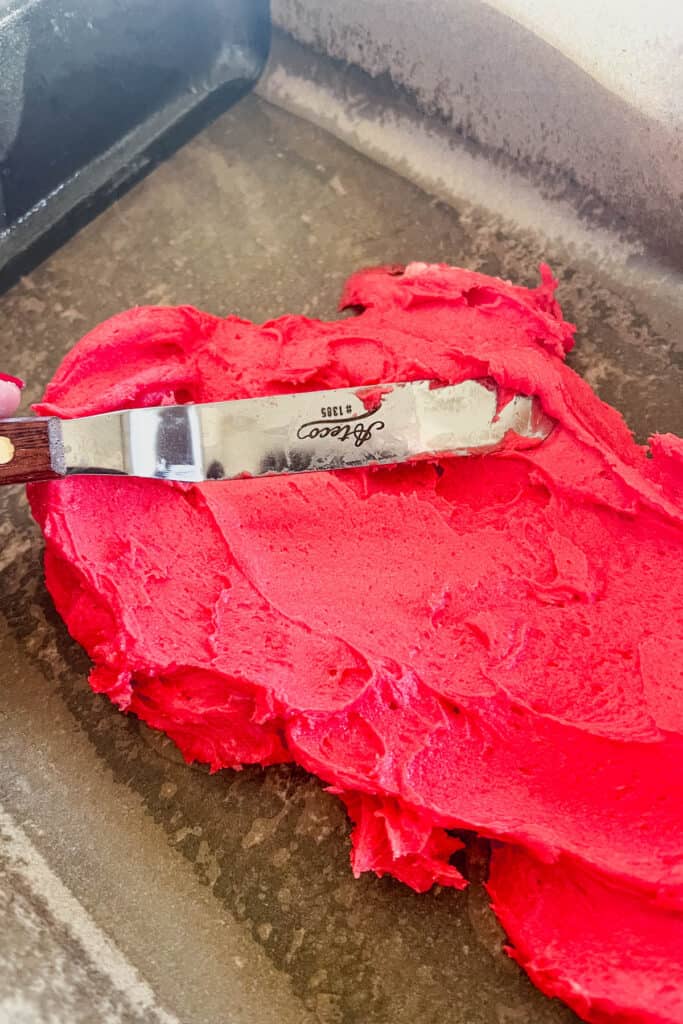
[
  {"x": 64, "y": 213},
  {"x": 93, "y": 102}
]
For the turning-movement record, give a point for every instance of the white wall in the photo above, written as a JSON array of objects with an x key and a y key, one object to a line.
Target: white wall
[
  {"x": 587, "y": 92},
  {"x": 632, "y": 47}
]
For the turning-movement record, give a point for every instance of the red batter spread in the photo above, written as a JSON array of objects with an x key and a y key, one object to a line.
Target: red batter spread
[{"x": 490, "y": 643}]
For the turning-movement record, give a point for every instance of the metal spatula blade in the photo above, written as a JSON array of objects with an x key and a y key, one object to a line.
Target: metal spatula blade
[{"x": 298, "y": 433}]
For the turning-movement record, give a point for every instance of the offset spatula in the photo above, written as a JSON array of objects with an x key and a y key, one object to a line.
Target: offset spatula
[{"x": 300, "y": 433}]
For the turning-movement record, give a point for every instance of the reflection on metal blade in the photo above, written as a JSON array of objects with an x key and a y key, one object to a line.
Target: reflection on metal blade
[{"x": 309, "y": 432}]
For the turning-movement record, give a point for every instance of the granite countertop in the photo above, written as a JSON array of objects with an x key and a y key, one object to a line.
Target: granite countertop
[{"x": 136, "y": 888}]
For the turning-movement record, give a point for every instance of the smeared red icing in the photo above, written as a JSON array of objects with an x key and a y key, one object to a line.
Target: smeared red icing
[
  {"x": 491, "y": 644},
  {"x": 372, "y": 397}
]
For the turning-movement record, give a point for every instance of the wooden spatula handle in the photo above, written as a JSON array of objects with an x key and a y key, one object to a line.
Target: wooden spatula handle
[{"x": 25, "y": 453}]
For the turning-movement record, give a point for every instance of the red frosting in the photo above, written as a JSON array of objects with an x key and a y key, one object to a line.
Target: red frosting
[{"x": 489, "y": 643}]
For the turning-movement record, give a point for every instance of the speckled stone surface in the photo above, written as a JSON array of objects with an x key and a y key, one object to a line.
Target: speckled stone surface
[{"x": 135, "y": 888}]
